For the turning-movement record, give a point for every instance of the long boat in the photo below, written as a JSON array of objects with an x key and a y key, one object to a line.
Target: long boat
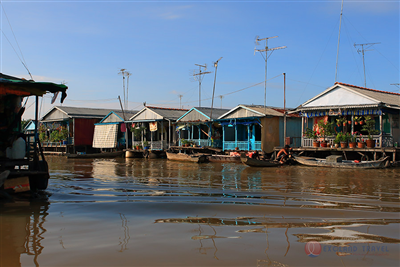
[
  {"x": 198, "y": 158},
  {"x": 113, "y": 154},
  {"x": 223, "y": 158},
  {"x": 259, "y": 163},
  {"x": 349, "y": 164}
]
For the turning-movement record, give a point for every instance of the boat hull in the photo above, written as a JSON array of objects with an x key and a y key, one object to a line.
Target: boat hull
[
  {"x": 98, "y": 155},
  {"x": 186, "y": 157},
  {"x": 223, "y": 158},
  {"x": 259, "y": 163},
  {"x": 348, "y": 164}
]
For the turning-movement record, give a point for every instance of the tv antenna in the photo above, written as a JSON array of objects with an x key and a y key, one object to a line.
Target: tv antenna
[
  {"x": 397, "y": 85},
  {"x": 180, "y": 100},
  {"x": 364, "y": 48},
  {"x": 266, "y": 49},
  {"x": 199, "y": 77},
  {"x": 221, "y": 96}
]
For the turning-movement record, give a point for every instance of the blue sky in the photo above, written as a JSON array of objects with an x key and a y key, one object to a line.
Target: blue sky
[{"x": 86, "y": 43}]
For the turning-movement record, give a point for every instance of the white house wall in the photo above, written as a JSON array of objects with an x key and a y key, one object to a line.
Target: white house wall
[
  {"x": 112, "y": 118},
  {"x": 340, "y": 97},
  {"x": 56, "y": 115},
  {"x": 148, "y": 115},
  {"x": 241, "y": 113},
  {"x": 194, "y": 115}
]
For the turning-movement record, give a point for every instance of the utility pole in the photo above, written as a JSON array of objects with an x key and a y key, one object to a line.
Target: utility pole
[
  {"x": 215, "y": 79},
  {"x": 368, "y": 45},
  {"x": 337, "y": 53},
  {"x": 266, "y": 49},
  {"x": 180, "y": 100},
  {"x": 128, "y": 74},
  {"x": 199, "y": 76},
  {"x": 284, "y": 108}
]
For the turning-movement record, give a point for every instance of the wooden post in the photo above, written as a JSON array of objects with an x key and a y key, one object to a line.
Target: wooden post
[
  {"x": 380, "y": 129},
  {"x": 302, "y": 131},
  {"x": 223, "y": 137},
  {"x": 236, "y": 145},
  {"x": 248, "y": 138}
]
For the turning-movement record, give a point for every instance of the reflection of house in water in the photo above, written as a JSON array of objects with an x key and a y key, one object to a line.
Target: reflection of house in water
[{"x": 21, "y": 231}]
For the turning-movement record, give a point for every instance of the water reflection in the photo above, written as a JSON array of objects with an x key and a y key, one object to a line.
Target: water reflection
[{"x": 21, "y": 232}]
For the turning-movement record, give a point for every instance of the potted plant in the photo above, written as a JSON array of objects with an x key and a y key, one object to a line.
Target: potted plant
[
  {"x": 338, "y": 139},
  {"x": 311, "y": 134},
  {"x": 369, "y": 127},
  {"x": 356, "y": 119},
  {"x": 352, "y": 140},
  {"x": 360, "y": 143},
  {"x": 341, "y": 121},
  {"x": 137, "y": 131},
  {"x": 325, "y": 129}
]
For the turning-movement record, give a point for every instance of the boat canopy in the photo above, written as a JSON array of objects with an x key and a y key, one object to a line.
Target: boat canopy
[{"x": 15, "y": 86}]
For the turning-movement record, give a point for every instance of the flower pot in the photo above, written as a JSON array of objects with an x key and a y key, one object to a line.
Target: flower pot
[
  {"x": 344, "y": 123},
  {"x": 137, "y": 147},
  {"x": 324, "y": 144},
  {"x": 352, "y": 144},
  {"x": 336, "y": 145},
  {"x": 361, "y": 122},
  {"x": 360, "y": 144},
  {"x": 343, "y": 144},
  {"x": 349, "y": 122},
  {"x": 356, "y": 123},
  {"x": 315, "y": 144},
  {"x": 370, "y": 143}
]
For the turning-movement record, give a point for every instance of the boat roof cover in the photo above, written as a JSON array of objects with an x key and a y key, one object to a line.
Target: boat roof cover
[{"x": 10, "y": 85}]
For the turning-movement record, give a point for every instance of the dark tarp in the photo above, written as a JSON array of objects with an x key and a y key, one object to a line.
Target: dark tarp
[{"x": 15, "y": 86}]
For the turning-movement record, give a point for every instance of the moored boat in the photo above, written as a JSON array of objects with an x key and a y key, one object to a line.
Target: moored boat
[
  {"x": 23, "y": 166},
  {"x": 223, "y": 158},
  {"x": 349, "y": 164},
  {"x": 258, "y": 162},
  {"x": 113, "y": 154},
  {"x": 198, "y": 158}
]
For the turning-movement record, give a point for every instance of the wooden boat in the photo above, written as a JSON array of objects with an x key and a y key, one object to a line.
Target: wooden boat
[
  {"x": 350, "y": 164},
  {"x": 259, "y": 163},
  {"x": 134, "y": 153},
  {"x": 113, "y": 154},
  {"x": 23, "y": 166},
  {"x": 198, "y": 158},
  {"x": 223, "y": 158}
]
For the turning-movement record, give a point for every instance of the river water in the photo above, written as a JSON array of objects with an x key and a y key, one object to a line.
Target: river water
[{"x": 140, "y": 212}]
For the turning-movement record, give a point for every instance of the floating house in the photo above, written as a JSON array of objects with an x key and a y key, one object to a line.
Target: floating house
[
  {"x": 154, "y": 127},
  {"x": 197, "y": 127},
  {"x": 350, "y": 103},
  {"x": 77, "y": 122},
  {"x": 111, "y": 132},
  {"x": 255, "y": 127}
]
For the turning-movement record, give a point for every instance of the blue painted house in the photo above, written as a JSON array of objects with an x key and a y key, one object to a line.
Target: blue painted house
[
  {"x": 197, "y": 126},
  {"x": 254, "y": 127}
]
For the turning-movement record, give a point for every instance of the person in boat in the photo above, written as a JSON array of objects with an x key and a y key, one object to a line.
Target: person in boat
[{"x": 284, "y": 154}]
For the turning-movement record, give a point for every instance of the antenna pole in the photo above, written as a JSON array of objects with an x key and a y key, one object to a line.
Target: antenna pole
[
  {"x": 362, "y": 51},
  {"x": 215, "y": 78},
  {"x": 337, "y": 53},
  {"x": 266, "y": 59},
  {"x": 200, "y": 78},
  {"x": 180, "y": 100},
  {"x": 221, "y": 96},
  {"x": 284, "y": 108}
]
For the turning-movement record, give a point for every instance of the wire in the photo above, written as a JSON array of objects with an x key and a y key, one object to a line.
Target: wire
[{"x": 15, "y": 38}]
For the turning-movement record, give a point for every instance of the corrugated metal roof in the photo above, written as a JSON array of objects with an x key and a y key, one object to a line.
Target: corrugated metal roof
[
  {"x": 216, "y": 112},
  {"x": 269, "y": 111},
  {"x": 92, "y": 113},
  {"x": 168, "y": 113}
]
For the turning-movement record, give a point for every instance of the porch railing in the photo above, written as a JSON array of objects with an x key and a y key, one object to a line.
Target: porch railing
[
  {"x": 154, "y": 145},
  {"x": 387, "y": 140},
  {"x": 242, "y": 145},
  {"x": 198, "y": 142}
]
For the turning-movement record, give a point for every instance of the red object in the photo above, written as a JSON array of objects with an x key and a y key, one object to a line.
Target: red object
[
  {"x": 84, "y": 131},
  {"x": 356, "y": 161}
]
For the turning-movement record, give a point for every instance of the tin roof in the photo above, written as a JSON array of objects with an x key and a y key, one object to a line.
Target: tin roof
[
  {"x": 89, "y": 113},
  {"x": 165, "y": 113}
]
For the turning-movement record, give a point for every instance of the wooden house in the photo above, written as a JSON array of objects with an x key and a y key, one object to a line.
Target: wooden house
[
  {"x": 155, "y": 127},
  {"x": 351, "y": 103},
  {"x": 253, "y": 127},
  {"x": 197, "y": 127},
  {"x": 111, "y": 132},
  {"x": 79, "y": 123}
]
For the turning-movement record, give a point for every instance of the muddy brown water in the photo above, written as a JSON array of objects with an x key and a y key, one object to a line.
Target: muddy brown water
[{"x": 138, "y": 212}]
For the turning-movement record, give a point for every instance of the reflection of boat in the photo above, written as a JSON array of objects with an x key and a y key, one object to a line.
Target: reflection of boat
[
  {"x": 113, "y": 154},
  {"x": 21, "y": 156},
  {"x": 223, "y": 158},
  {"x": 317, "y": 162},
  {"x": 258, "y": 162},
  {"x": 198, "y": 158}
]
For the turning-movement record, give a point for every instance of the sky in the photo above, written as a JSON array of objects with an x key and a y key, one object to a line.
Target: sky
[{"x": 85, "y": 44}]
